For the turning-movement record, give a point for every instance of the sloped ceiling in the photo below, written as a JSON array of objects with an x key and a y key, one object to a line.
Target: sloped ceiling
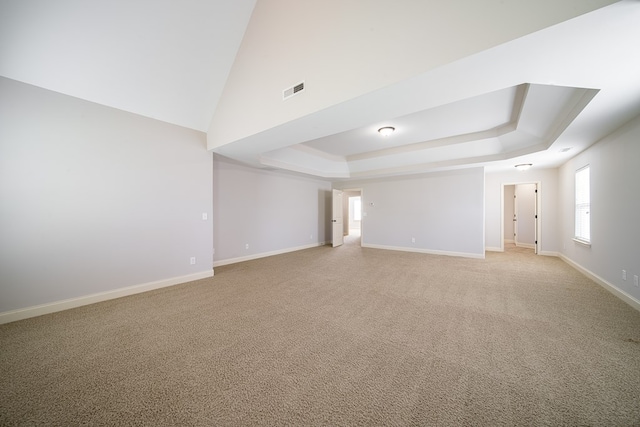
[
  {"x": 164, "y": 59},
  {"x": 465, "y": 83}
]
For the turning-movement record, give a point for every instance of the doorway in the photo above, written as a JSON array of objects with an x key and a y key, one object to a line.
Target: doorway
[
  {"x": 520, "y": 215},
  {"x": 352, "y": 214}
]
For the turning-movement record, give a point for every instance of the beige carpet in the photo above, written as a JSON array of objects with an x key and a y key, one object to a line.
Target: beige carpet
[{"x": 345, "y": 336}]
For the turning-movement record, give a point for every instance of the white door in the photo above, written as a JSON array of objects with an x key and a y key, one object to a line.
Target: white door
[
  {"x": 336, "y": 219},
  {"x": 525, "y": 215},
  {"x": 535, "y": 221}
]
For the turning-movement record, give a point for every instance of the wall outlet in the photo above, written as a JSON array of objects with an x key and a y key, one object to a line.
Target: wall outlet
[
  {"x": 413, "y": 240},
  {"x": 624, "y": 274},
  {"x": 246, "y": 246},
  {"x": 192, "y": 261},
  {"x": 311, "y": 236},
  {"x": 204, "y": 216},
  {"x": 635, "y": 280}
]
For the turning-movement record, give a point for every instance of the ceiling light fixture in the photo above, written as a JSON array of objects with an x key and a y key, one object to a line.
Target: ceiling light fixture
[
  {"x": 523, "y": 166},
  {"x": 386, "y": 131}
]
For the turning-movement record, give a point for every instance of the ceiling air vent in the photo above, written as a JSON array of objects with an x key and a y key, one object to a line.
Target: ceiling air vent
[{"x": 293, "y": 90}]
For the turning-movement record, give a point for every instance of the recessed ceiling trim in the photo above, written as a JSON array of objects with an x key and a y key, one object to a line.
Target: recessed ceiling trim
[
  {"x": 579, "y": 101},
  {"x": 425, "y": 145},
  {"x": 518, "y": 102},
  {"x": 319, "y": 153},
  {"x": 279, "y": 164},
  {"x": 426, "y": 167}
]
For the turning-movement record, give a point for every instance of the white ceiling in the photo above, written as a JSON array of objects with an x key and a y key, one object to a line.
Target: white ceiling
[
  {"x": 566, "y": 86},
  {"x": 164, "y": 59},
  {"x": 503, "y": 124}
]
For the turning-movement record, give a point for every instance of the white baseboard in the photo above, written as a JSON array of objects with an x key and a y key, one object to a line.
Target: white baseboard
[
  {"x": 493, "y": 249},
  {"x": 526, "y": 245},
  {"x": 228, "y": 261},
  {"x": 629, "y": 299},
  {"x": 39, "y": 310},
  {"x": 423, "y": 251},
  {"x": 549, "y": 253}
]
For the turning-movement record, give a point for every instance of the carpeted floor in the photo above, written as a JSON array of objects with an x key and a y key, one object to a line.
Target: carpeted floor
[{"x": 336, "y": 336}]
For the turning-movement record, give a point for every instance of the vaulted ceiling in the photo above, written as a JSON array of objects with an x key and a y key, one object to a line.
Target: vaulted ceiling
[{"x": 464, "y": 83}]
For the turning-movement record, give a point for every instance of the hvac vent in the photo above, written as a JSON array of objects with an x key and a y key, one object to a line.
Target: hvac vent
[{"x": 293, "y": 90}]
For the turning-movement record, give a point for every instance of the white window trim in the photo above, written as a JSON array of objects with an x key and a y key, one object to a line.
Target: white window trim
[
  {"x": 579, "y": 239},
  {"x": 582, "y": 242}
]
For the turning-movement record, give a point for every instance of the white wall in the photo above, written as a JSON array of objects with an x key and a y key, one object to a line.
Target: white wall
[
  {"x": 548, "y": 211},
  {"x": 615, "y": 208},
  {"x": 95, "y": 199},
  {"x": 443, "y": 211},
  {"x": 272, "y": 212}
]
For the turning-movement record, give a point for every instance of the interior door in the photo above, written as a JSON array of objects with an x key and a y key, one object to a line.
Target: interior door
[
  {"x": 336, "y": 219},
  {"x": 525, "y": 215},
  {"x": 535, "y": 221}
]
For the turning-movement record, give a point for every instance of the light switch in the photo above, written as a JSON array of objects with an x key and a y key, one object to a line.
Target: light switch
[{"x": 204, "y": 216}]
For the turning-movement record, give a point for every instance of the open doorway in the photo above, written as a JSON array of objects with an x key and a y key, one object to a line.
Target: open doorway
[
  {"x": 520, "y": 216},
  {"x": 352, "y": 214}
]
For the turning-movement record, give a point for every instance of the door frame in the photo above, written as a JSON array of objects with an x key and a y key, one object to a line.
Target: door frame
[{"x": 538, "y": 207}]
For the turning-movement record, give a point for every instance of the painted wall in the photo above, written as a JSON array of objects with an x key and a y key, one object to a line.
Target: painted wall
[
  {"x": 548, "y": 211},
  {"x": 95, "y": 199},
  {"x": 270, "y": 211},
  {"x": 615, "y": 208},
  {"x": 443, "y": 212}
]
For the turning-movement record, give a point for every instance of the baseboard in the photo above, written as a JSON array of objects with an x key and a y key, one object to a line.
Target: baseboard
[
  {"x": 629, "y": 299},
  {"x": 493, "y": 249},
  {"x": 39, "y": 310},
  {"x": 526, "y": 245},
  {"x": 423, "y": 251},
  {"x": 549, "y": 253},
  {"x": 228, "y": 261}
]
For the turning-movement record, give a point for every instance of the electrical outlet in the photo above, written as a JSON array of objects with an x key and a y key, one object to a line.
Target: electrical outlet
[
  {"x": 192, "y": 261},
  {"x": 311, "y": 236},
  {"x": 205, "y": 216},
  {"x": 635, "y": 280},
  {"x": 246, "y": 246},
  {"x": 413, "y": 240},
  {"x": 624, "y": 274}
]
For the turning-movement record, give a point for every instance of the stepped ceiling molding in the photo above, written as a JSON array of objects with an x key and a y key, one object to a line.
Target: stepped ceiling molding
[
  {"x": 500, "y": 125},
  {"x": 540, "y": 98}
]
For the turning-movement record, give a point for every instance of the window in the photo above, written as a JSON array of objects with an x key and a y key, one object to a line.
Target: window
[{"x": 583, "y": 206}]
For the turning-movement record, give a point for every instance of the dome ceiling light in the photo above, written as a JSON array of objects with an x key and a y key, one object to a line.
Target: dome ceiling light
[
  {"x": 386, "y": 131},
  {"x": 523, "y": 166}
]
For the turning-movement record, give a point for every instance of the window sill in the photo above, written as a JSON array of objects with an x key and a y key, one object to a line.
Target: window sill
[{"x": 582, "y": 242}]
